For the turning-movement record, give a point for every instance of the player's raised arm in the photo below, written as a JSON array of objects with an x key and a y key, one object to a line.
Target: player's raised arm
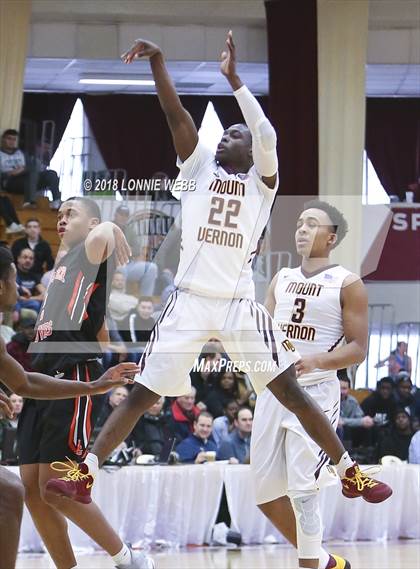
[
  {"x": 183, "y": 129},
  {"x": 40, "y": 386},
  {"x": 105, "y": 239},
  {"x": 354, "y": 302},
  {"x": 264, "y": 140}
]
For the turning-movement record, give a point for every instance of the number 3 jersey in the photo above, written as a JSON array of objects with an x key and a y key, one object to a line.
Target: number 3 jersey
[
  {"x": 222, "y": 221},
  {"x": 308, "y": 311}
]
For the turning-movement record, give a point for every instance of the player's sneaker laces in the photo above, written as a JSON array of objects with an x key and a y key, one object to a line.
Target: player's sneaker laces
[
  {"x": 357, "y": 483},
  {"x": 76, "y": 484},
  {"x": 139, "y": 560},
  {"x": 337, "y": 562}
]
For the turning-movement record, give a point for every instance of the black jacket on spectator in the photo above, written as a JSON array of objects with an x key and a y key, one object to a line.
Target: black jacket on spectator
[
  {"x": 42, "y": 253},
  {"x": 394, "y": 443},
  {"x": 150, "y": 434},
  {"x": 374, "y": 403},
  {"x": 203, "y": 386},
  {"x": 136, "y": 329}
]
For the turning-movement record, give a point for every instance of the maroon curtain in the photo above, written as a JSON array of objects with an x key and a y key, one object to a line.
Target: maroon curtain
[
  {"x": 132, "y": 133},
  {"x": 393, "y": 142},
  {"x": 38, "y": 107},
  {"x": 293, "y": 98},
  {"x": 228, "y": 110}
]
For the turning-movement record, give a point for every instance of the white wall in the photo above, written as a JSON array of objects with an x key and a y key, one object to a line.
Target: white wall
[{"x": 405, "y": 296}]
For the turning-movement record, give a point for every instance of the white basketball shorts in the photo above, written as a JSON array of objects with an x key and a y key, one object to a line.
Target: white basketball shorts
[
  {"x": 283, "y": 456},
  {"x": 245, "y": 328}
]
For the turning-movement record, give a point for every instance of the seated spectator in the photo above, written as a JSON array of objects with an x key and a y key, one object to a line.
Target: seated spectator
[
  {"x": 115, "y": 351},
  {"x": 414, "y": 449},
  {"x": 43, "y": 255},
  {"x": 11, "y": 219},
  {"x": 236, "y": 447},
  {"x": 352, "y": 418},
  {"x": 396, "y": 440},
  {"x": 151, "y": 431},
  {"x": 225, "y": 388},
  {"x": 120, "y": 303},
  {"x": 6, "y": 332},
  {"x": 205, "y": 373},
  {"x": 138, "y": 326},
  {"x": 138, "y": 270},
  {"x": 403, "y": 393},
  {"x": 117, "y": 395},
  {"x": 30, "y": 290},
  {"x": 183, "y": 414},
  {"x": 196, "y": 446},
  {"x": 224, "y": 425},
  {"x": 20, "y": 175},
  {"x": 11, "y": 424},
  {"x": 19, "y": 344},
  {"x": 398, "y": 360},
  {"x": 380, "y": 405}
]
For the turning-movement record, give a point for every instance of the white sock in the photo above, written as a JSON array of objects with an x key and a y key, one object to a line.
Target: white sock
[
  {"x": 92, "y": 461},
  {"x": 324, "y": 558},
  {"x": 345, "y": 462},
  {"x": 123, "y": 557}
]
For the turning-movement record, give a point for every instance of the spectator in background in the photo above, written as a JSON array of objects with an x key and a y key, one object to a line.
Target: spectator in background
[
  {"x": 224, "y": 425},
  {"x": 380, "y": 405},
  {"x": 396, "y": 440},
  {"x": 43, "y": 255},
  {"x": 151, "y": 431},
  {"x": 398, "y": 360},
  {"x": 44, "y": 178},
  {"x": 120, "y": 303},
  {"x": 8, "y": 213},
  {"x": 403, "y": 393},
  {"x": 7, "y": 424},
  {"x": 139, "y": 323},
  {"x": 414, "y": 449},
  {"x": 204, "y": 375},
  {"x": 225, "y": 388},
  {"x": 30, "y": 290},
  {"x": 138, "y": 270},
  {"x": 19, "y": 344},
  {"x": 198, "y": 444},
  {"x": 6, "y": 332},
  {"x": 183, "y": 414},
  {"x": 352, "y": 418},
  {"x": 236, "y": 448},
  {"x": 15, "y": 175},
  {"x": 114, "y": 399}
]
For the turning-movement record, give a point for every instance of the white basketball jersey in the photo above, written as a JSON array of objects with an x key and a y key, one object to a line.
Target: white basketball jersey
[
  {"x": 222, "y": 221},
  {"x": 308, "y": 311}
]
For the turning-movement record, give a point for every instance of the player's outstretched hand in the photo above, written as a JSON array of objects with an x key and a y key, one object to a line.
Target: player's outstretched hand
[
  {"x": 140, "y": 48},
  {"x": 6, "y": 408},
  {"x": 122, "y": 248},
  {"x": 228, "y": 58},
  {"x": 116, "y": 376},
  {"x": 305, "y": 365}
]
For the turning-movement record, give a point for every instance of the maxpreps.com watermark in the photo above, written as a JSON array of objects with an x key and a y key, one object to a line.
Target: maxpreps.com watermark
[
  {"x": 224, "y": 365},
  {"x": 136, "y": 185}
]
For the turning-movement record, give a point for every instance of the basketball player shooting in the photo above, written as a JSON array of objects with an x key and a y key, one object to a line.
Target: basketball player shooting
[
  {"x": 221, "y": 225},
  {"x": 323, "y": 309},
  {"x": 35, "y": 386}
]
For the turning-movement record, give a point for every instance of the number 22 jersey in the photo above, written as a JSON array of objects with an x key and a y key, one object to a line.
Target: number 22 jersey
[{"x": 222, "y": 221}]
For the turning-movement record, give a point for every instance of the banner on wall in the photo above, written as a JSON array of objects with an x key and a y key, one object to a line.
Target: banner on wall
[{"x": 399, "y": 248}]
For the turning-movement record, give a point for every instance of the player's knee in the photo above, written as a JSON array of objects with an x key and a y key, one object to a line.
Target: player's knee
[
  {"x": 308, "y": 522},
  {"x": 289, "y": 393}
]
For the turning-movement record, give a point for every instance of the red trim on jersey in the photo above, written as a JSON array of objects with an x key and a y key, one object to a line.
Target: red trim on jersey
[
  {"x": 73, "y": 421},
  {"x": 75, "y": 293},
  {"x": 86, "y": 300}
]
